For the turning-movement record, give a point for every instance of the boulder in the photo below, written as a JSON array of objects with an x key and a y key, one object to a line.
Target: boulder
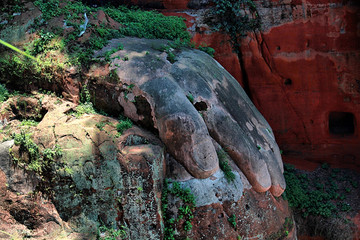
[
  {"x": 105, "y": 181},
  {"x": 190, "y": 102}
]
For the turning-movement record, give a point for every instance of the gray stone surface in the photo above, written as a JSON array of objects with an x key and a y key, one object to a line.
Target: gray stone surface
[
  {"x": 220, "y": 109},
  {"x": 215, "y": 189}
]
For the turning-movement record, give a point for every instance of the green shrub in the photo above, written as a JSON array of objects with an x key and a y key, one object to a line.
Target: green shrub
[
  {"x": 149, "y": 24},
  {"x": 124, "y": 123}
]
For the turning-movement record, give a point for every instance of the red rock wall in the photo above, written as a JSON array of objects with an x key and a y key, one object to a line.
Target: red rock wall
[
  {"x": 303, "y": 65},
  {"x": 319, "y": 54}
]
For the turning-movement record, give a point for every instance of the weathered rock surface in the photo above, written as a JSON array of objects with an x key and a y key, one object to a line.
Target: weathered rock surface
[
  {"x": 303, "y": 74},
  {"x": 189, "y": 102},
  {"x": 106, "y": 179},
  {"x": 115, "y": 181}
]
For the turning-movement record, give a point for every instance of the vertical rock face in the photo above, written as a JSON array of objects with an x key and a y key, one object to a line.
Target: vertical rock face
[
  {"x": 303, "y": 71},
  {"x": 309, "y": 69}
]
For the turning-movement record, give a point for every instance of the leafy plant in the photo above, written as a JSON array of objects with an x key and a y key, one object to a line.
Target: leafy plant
[
  {"x": 49, "y": 8},
  {"x": 124, "y": 123},
  {"x": 185, "y": 210},
  {"x": 283, "y": 231},
  {"x": 232, "y": 221},
  {"x": 105, "y": 233},
  {"x": 224, "y": 166},
  {"x": 108, "y": 54},
  {"x": 100, "y": 125},
  {"x": 207, "y": 49},
  {"x": 148, "y": 24},
  {"x": 4, "y": 94},
  {"x": 38, "y": 161},
  {"x": 29, "y": 123}
]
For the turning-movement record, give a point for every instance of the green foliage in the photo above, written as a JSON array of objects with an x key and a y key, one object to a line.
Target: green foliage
[
  {"x": 207, "y": 49},
  {"x": 4, "y": 94},
  {"x": 52, "y": 40},
  {"x": 315, "y": 198},
  {"x": 124, "y": 123},
  {"x": 235, "y": 18},
  {"x": 29, "y": 123},
  {"x": 84, "y": 108},
  {"x": 185, "y": 210},
  {"x": 100, "y": 125},
  {"x": 49, "y": 8},
  {"x": 148, "y": 24},
  {"x": 41, "y": 44},
  {"x": 224, "y": 166},
  {"x": 38, "y": 161},
  {"x": 105, "y": 233},
  {"x": 20, "y": 71},
  {"x": 232, "y": 221},
  {"x": 108, "y": 54},
  {"x": 8, "y": 8}
]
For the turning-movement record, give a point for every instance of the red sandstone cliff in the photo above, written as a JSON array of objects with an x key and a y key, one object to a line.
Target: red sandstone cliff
[{"x": 303, "y": 70}]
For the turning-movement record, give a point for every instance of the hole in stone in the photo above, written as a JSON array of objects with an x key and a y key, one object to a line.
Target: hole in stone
[
  {"x": 28, "y": 108},
  {"x": 341, "y": 123},
  {"x": 143, "y": 108},
  {"x": 278, "y": 48},
  {"x": 288, "y": 81},
  {"x": 247, "y": 206},
  {"x": 24, "y": 217},
  {"x": 201, "y": 106}
]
